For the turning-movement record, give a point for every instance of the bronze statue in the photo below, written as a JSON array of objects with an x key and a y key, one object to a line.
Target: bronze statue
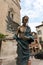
[{"x": 24, "y": 38}]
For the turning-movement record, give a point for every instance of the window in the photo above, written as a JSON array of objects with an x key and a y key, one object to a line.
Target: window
[
  {"x": 39, "y": 32},
  {"x": 10, "y": 14},
  {"x": 40, "y": 39}
]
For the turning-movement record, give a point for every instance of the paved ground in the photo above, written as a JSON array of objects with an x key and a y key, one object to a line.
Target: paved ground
[
  {"x": 37, "y": 62},
  {"x": 11, "y": 61}
]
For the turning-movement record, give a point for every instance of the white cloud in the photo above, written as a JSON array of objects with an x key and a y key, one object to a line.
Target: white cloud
[
  {"x": 38, "y": 5},
  {"x": 33, "y": 25},
  {"x": 35, "y": 5}
]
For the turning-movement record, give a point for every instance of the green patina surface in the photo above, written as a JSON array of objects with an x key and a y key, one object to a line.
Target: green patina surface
[{"x": 22, "y": 48}]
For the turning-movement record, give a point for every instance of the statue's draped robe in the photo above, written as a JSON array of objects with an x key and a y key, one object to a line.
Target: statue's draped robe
[{"x": 22, "y": 48}]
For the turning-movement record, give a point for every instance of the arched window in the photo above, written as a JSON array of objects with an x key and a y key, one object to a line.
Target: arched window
[{"x": 10, "y": 13}]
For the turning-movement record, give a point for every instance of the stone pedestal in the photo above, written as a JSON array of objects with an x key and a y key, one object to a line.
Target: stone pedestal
[{"x": 8, "y": 53}]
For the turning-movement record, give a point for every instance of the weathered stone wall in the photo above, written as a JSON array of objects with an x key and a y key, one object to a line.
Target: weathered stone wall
[{"x": 8, "y": 49}]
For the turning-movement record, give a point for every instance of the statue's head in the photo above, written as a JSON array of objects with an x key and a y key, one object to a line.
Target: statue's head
[{"x": 25, "y": 19}]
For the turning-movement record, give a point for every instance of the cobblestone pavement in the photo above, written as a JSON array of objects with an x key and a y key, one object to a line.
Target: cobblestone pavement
[
  {"x": 12, "y": 61},
  {"x": 37, "y": 62}
]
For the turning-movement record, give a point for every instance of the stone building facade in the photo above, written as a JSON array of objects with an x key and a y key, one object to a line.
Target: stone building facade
[
  {"x": 39, "y": 29},
  {"x": 9, "y": 21},
  {"x": 9, "y": 16}
]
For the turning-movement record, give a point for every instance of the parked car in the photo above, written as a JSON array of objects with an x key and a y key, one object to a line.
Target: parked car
[{"x": 39, "y": 55}]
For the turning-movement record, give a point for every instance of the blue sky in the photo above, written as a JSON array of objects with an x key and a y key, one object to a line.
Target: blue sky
[{"x": 34, "y": 9}]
